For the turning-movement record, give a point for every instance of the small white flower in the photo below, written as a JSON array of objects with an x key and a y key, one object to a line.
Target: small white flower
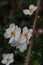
[
  {"x": 7, "y": 59},
  {"x": 10, "y": 32},
  {"x": 30, "y": 11},
  {"x": 17, "y": 35},
  {"x": 13, "y": 32},
  {"x": 26, "y": 34}
]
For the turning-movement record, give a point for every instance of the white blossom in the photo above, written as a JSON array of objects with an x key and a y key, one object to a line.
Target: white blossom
[
  {"x": 7, "y": 58},
  {"x": 26, "y": 34},
  {"x": 13, "y": 32},
  {"x": 30, "y": 11}
]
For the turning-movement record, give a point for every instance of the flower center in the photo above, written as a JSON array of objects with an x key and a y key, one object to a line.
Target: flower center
[
  {"x": 31, "y": 10},
  {"x": 8, "y": 59},
  {"x": 25, "y": 34},
  {"x": 12, "y": 32}
]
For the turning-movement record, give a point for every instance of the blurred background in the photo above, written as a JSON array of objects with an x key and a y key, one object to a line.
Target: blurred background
[{"x": 11, "y": 11}]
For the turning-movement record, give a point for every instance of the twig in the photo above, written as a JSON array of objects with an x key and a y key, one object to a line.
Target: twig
[
  {"x": 31, "y": 40},
  {"x": 12, "y": 4},
  {"x": 31, "y": 1},
  {"x": 20, "y": 4},
  {"x": 3, "y": 3}
]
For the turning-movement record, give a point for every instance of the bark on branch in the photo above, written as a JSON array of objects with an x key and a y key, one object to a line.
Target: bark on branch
[
  {"x": 31, "y": 40},
  {"x": 20, "y": 4},
  {"x": 12, "y": 5}
]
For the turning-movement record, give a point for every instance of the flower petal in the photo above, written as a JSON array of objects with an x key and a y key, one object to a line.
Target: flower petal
[
  {"x": 35, "y": 8},
  {"x": 29, "y": 36},
  {"x": 7, "y": 63},
  {"x": 11, "y": 39},
  {"x": 18, "y": 33},
  {"x": 12, "y": 55},
  {"x": 13, "y": 44},
  {"x": 6, "y": 35},
  {"x": 26, "y": 12},
  {"x": 23, "y": 47},
  {"x": 25, "y": 29},
  {"x": 12, "y": 25},
  {"x": 27, "y": 42},
  {"x": 22, "y": 40},
  {"x": 31, "y": 6},
  {"x": 3, "y": 61},
  {"x": 30, "y": 30}
]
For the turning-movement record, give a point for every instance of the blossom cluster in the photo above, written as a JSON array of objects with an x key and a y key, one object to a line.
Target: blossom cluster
[{"x": 17, "y": 37}]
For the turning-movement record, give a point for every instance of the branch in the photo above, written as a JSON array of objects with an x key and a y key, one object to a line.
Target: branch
[
  {"x": 20, "y": 4},
  {"x": 3, "y": 3},
  {"x": 31, "y": 40},
  {"x": 31, "y": 1},
  {"x": 12, "y": 4}
]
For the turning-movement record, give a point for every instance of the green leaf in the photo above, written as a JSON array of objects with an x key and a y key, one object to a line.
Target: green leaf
[{"x": 36, "y": 62}]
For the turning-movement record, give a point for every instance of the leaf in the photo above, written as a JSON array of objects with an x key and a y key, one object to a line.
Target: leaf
[{"x": 36, "y": 62}]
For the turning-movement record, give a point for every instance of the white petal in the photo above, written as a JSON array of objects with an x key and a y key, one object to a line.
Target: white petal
[
  {"x": 12, "y": 25},
  {"x": 25, "y": 29},
  {"x": 7, "y": 63},
  {"x": 31, "y": 6},
  {"x": 18, "y": 30},
  {"x": 16, "y": 37},
  {"x": 8, "y": 30},
  {"x": 6, "y": 35},
  {"x": 22, "y": 40},
  {"x": 18, "y": 33},
  {"x": 13, "y": 44},
  {"x": 16, "y": 26},
  {"x": 29, "y": 36},
  {"x": 27, "y": 42},
  {"x": 23, "y": 47},
  {"x": 30, "y": 30},
  {"x": 12, "y": 55},
  {"x": 3, "y": 61},
  {"x": 26, "y": 12},
  {"x": 35, "y": 8},
  {"x": 12, "y": 60},
  {"x": 11, "y": 39}
]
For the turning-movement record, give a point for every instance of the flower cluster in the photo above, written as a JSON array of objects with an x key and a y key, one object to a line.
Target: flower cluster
[{"x": 18, "y": 39}]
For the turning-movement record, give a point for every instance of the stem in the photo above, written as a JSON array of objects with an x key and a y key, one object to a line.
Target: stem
[
  {"x": 12, "y": 4},
  {"x": 31, "y": 1},
  {"x": 20, "y": 4},
  {"x": 31, "y": 40},
  {"x": 3, "y": 3}
]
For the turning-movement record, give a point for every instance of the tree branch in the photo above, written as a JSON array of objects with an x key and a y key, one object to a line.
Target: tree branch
[
  {"x": 3, "y": 3},
  {"x": 20, "y": 4},
  {"x": 31, "y": 40},
  {"x": 12, "y": 4}
]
